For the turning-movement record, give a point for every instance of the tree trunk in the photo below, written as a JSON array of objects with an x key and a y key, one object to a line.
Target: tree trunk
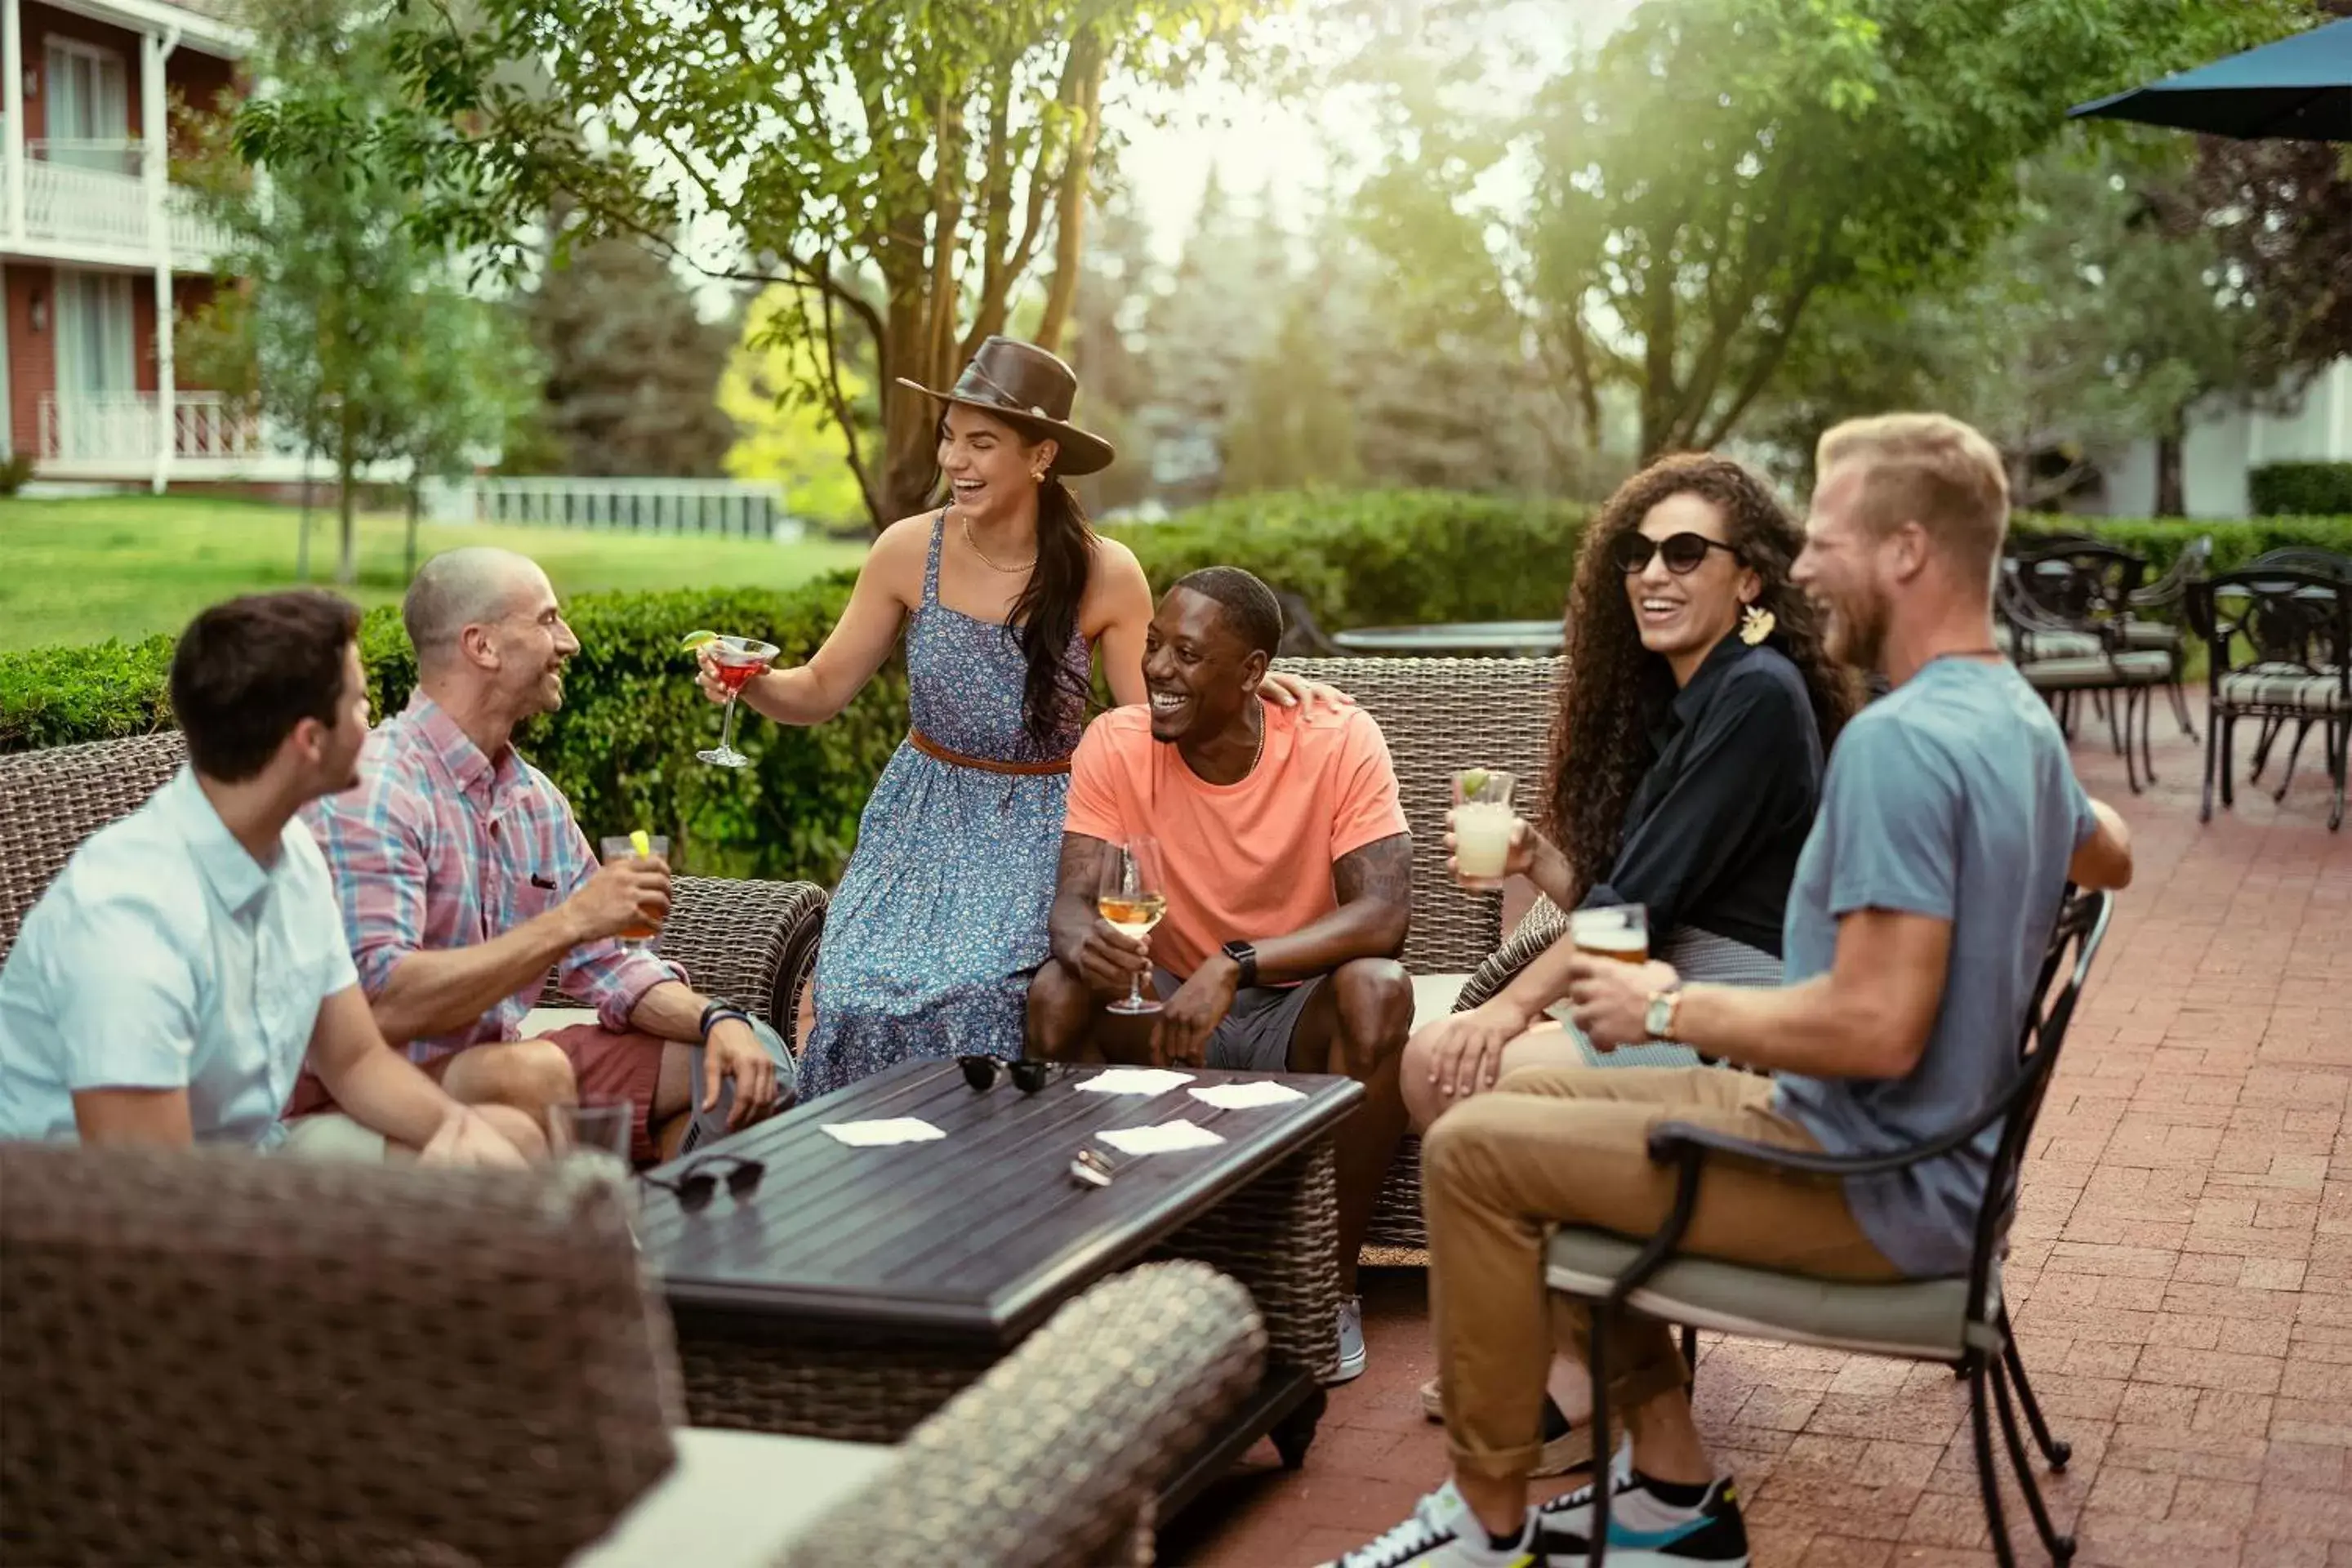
[
  {"x": 2170, "y": 501},
  {"x": 408, "y": 554},
  {"x": 303, "y": 537},
  {"x": 347, "y": 563}
]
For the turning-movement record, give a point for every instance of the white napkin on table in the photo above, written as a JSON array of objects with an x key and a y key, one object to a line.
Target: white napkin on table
[
  {"x": 1246, "y": 1096},
  {"x": 889, "y": 1130},
  {"x": 1135, "y": 1080},
  {"x": 1165, "y": 1138}
]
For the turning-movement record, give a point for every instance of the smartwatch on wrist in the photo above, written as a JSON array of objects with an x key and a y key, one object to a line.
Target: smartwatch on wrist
[
  {"x": 1245, "y": 957},
  {"x": 1660, "y": 1019}
]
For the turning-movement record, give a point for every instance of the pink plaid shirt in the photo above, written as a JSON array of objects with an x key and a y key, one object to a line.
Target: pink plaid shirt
[{"x": 440, "y": 848}]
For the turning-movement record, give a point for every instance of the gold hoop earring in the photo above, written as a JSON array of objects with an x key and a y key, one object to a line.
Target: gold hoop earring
[{"x": 1755, "y": 624}]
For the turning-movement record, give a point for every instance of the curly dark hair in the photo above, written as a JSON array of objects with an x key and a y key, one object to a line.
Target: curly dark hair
[{"x": 1610, "y": 684}]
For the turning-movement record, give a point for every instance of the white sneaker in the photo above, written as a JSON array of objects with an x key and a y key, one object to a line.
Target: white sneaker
[
  {"x": 1444, "y": 1534},
  {"x": 1351, "y": 1341}
]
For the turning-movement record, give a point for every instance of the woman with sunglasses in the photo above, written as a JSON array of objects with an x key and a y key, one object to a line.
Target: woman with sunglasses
[{"x": 1696, "y": 707}]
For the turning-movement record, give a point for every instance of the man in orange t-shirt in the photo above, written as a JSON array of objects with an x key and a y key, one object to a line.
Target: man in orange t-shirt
[{"x": 1288, "y": 867}]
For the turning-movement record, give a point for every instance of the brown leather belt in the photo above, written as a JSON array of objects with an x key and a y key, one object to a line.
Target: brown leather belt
[{"x": 933, "y": 749}]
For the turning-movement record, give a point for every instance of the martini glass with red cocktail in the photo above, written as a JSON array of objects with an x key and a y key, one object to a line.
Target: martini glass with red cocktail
[{"x": 734, "y": 662}]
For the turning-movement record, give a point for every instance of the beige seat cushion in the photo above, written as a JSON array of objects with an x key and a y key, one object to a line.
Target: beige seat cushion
[
  {"x": 735, "y": 1500},
  {"x": 547, "y": 1020},
  {"x": 1433, "y": 996},
  {"x": 1920, "y": 1319}
]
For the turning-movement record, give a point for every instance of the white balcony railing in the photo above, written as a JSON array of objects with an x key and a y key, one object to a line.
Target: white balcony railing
[
  {"x": 68, "y": 203},
  {"x": 112, "y": 156},
  {"x": 119, "y": 428}
]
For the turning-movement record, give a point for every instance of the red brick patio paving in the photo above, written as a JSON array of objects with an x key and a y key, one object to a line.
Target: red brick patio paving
[{"x": 2181, "y": 1274}]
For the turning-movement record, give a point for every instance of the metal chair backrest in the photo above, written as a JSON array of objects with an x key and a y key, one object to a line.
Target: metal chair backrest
[
  {"x": 214, "y": 1358},
  {"x": 1440, "y": 715},
  {"x": 2288, "y": 618},
  {"x": 2186, "y": 567},
  {"x": 2083, "y": 583},
  {"x": 2074, "y": 941},
  {"x": 51, "y": 800}
]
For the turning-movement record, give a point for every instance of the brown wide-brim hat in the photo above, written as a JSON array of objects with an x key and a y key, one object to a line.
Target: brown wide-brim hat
[{"x": 1032, "y": 389}]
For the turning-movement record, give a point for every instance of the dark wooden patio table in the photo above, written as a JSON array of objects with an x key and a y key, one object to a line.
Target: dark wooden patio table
[{"x": 855, "y": 1290}]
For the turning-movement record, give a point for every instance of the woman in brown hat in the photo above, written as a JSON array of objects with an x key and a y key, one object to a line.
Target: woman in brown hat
[{"x": 1005, "y": 592}]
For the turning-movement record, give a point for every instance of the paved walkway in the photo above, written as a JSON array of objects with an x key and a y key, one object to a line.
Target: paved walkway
[{"x": 2182, "y": 1267}]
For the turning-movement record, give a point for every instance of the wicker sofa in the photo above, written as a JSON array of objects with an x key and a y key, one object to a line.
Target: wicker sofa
[
  {"x": 1440, "y": 715},
  {"x": 753, "y": 942},
  {"x": 223, "y": 1358}
]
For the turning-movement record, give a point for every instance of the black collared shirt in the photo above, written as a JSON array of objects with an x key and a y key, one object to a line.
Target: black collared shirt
[{"x": 1712, "y": 831}]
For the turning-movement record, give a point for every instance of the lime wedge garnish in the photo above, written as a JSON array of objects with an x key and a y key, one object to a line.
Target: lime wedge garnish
[
  {"x": 693, "y": 641},
  {"x": 642, "y": 843},
  {"x": 1473, "y": 779}
]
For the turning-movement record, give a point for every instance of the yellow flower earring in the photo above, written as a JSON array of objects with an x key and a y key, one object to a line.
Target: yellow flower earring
[{"x": 1755, "y": 624}]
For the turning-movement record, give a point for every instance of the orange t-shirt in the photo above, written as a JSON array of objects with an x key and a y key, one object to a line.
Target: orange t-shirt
[{"x": 1242, "y": 861}]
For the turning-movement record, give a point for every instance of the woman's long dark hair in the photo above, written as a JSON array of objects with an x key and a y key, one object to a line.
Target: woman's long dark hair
[
  {"x": 1046, "y": 617},
  {"x": 1610, "y": 685}
]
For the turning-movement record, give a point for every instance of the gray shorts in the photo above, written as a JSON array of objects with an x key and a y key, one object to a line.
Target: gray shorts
[{"x": 1255, "y": 1035}]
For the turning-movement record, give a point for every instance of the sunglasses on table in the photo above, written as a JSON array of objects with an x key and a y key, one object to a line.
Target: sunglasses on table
[
  {"x": 1631, "y": 551},
  {"x": 985, "y": 1072},
  {"x": 696, "y": 1185}
]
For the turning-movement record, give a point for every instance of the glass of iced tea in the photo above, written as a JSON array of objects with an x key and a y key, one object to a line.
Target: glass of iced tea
[
  {"x": 624, "y": 847},
  {"x": 1482, "y": 820},
  {"x": 1620, "y": 931}
]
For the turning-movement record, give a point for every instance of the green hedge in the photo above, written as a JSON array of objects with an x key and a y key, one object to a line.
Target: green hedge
[
  {"x": 2235, "y": 543},
  {"x": 2301, "y": 490},
  {"x": 623, "y": 748}
]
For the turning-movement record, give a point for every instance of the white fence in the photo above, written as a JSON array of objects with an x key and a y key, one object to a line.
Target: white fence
[
  {"x": 729, "y": 508},
  {"x": 74, "y": 205}
]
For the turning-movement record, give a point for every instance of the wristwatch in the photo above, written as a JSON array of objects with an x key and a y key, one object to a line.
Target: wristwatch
[
  {"x": 1246, "y": 957},
  {"x": 1660, "y": 1019}
]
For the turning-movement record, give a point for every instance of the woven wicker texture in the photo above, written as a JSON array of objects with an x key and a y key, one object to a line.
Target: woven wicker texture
[
  {"x": 1275, "y": 1236},
  {"x": 1396, "y": 1221},
  {"x": 218, "y": 1359},
  {"x": 52, "y": 800},
  {"x": 752, "y": 942},
  {"x": 1052, "y": 1459},
  {"x": 1441, "y": 715}
]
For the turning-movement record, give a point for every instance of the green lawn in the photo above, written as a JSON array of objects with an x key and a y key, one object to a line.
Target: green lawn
[{"x": 82, "y": 571}]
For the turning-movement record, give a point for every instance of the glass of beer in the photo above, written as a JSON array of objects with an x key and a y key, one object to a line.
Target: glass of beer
[
  {"x": 1620, "y": 931},
  {"x": 1133, "y": 896},
  {"x": 1482, "y": 820},
  {"x": 622, "y": 849}
]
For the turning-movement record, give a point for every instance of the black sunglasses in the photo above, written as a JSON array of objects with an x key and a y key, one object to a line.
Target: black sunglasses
[
  {"x": 982, "y": 1072},
  {"x": 695, "y": 1188},
  {"x": 1632, "y": 551}
]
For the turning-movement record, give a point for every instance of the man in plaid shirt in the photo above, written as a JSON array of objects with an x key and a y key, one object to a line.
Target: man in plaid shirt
[{"x": 463, "y": 877}]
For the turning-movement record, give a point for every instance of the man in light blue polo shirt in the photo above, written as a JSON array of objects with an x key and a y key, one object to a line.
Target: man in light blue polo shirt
[{"x": 168, "y": 985}]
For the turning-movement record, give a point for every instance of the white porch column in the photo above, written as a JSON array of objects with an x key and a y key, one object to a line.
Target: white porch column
[
  {"x": 155, "y": 169},
  {"x": 12, "y": 104}
]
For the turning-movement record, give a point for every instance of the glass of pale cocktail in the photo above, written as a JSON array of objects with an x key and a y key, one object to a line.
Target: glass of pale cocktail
[
  {"x": 1481, "y": 821},
  {"x": 1620, "y": 931}
]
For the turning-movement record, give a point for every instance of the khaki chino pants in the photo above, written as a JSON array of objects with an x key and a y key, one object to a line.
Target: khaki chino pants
[{"x": 1560, "y": 1146}]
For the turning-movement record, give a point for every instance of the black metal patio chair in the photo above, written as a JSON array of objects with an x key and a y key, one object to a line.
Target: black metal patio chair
[
  {"x": 2067, "y": 611},
  {"x": 2278, "y": 638},
  {"x": 1960, "y": 1320}
]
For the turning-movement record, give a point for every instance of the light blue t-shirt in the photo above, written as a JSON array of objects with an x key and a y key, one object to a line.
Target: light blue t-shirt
[
  {"x": 165, "y": 956},
  {"x": 1951, "y": 796}
]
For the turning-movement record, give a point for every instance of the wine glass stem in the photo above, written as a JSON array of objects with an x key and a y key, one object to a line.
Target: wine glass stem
[
  {"x": 1135, "y": 990},
  {"x": 727, "y": 727}
]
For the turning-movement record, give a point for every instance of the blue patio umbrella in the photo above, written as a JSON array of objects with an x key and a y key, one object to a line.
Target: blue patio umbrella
[{"x": 2298, "y": 87}]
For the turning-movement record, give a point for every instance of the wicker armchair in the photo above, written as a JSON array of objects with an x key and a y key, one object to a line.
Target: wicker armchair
[
  {"x": 1439, "y": 715},
  {"x": 754, "y": 941},
  {"x": 221, "y": 1360},
  {"x": 214, "y": 1358}
]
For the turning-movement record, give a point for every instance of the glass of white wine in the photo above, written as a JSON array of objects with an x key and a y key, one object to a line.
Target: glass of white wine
[{"x": 1133, "y": 898}]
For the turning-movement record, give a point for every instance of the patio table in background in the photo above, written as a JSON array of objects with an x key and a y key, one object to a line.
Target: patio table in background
[{"x": 1515, "y": 638}]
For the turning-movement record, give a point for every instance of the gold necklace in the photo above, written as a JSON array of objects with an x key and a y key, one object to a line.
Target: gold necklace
[
  {"x": 1259, "y": 755},
  {"x": 984, "y": 561}
]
